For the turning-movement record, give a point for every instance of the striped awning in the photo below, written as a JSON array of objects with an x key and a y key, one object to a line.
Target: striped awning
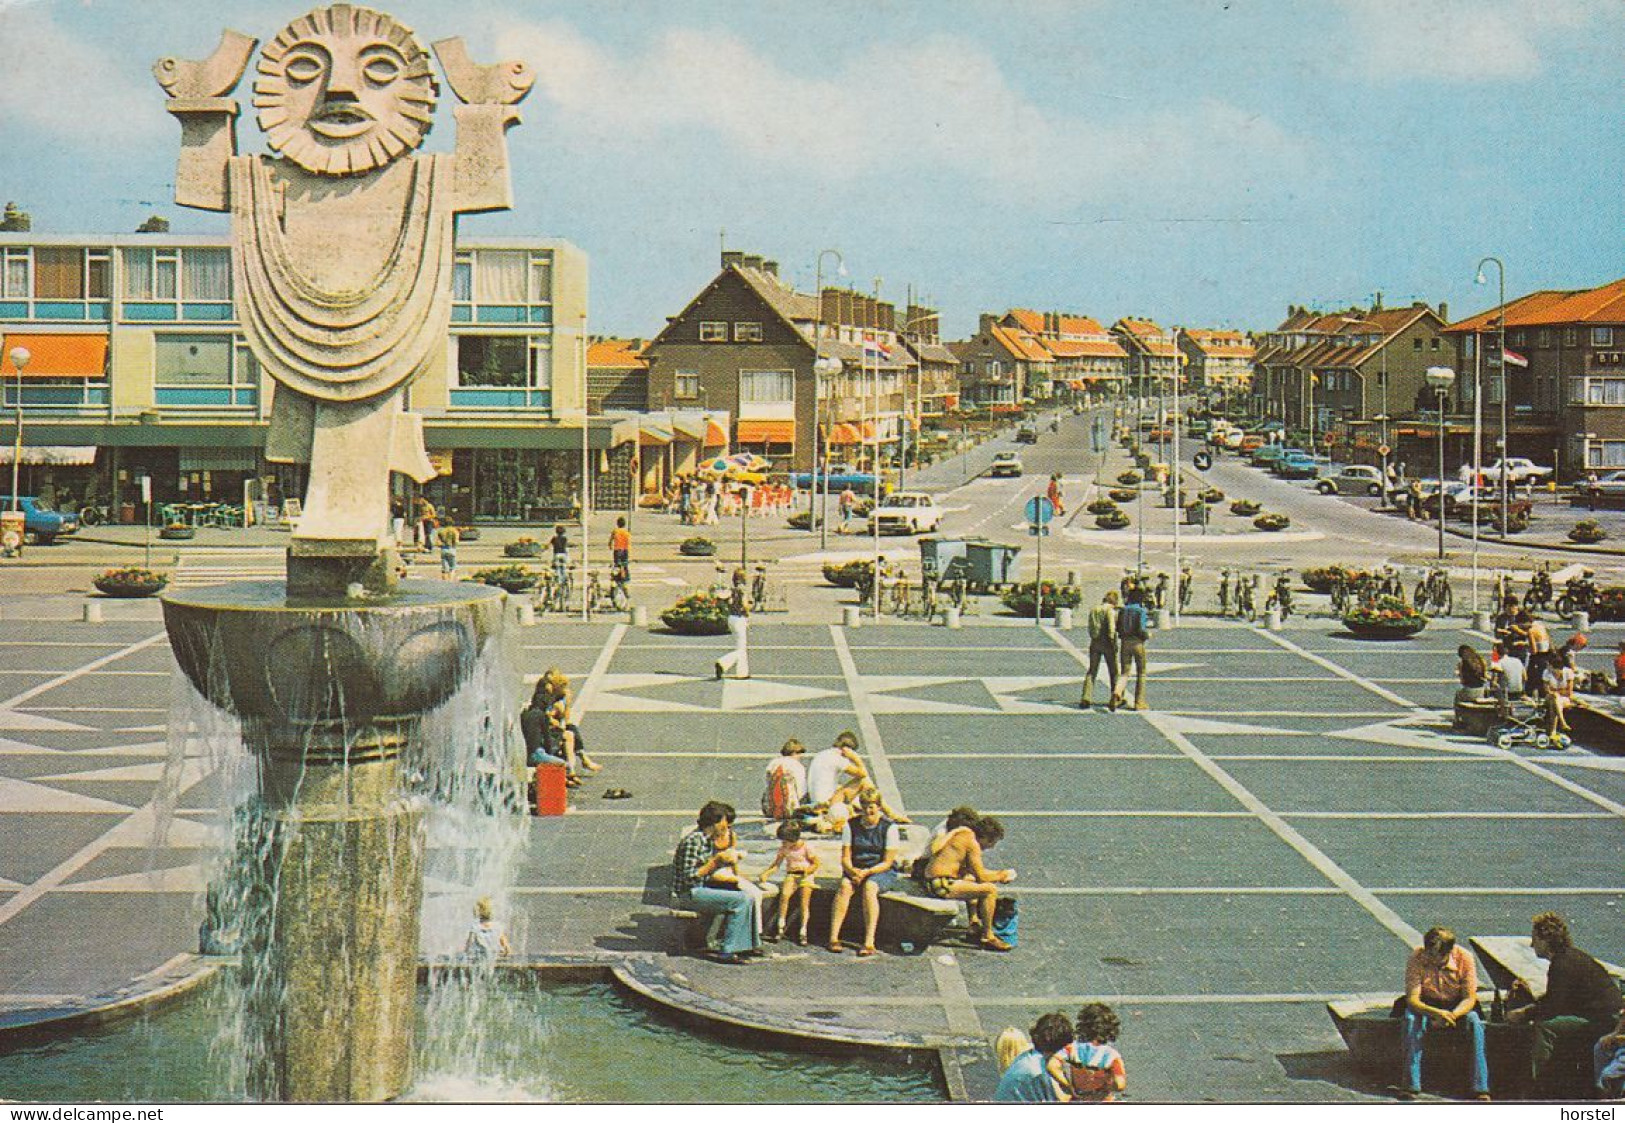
[{"x": 53, "y": 455}]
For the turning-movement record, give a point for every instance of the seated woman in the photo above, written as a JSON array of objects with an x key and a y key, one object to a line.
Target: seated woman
[
  {"x": 554, "y": 689},
  {"x": 955, "y": 872},
  {"x": 869, "y": 861},
  {"x": 540, "y": 740},
  {"x": 1472, "y": 672}
]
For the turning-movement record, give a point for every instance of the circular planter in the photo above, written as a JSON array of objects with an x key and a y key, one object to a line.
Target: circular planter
[
  {"x": 1245, "y": 508},
  {"x": 1365, "y": 630},
  {"x": 1272, "y": 523},
  {"x": 178, "y": 533},
  {"x": 522, "y": 549},
  {"x": 1101, "y": 507},
  {"x": 127, "y": 590},
  {"x": 698, "y": 548},
  {"x": 1116, "y": 521},
  {"x": 469, "y": 533},
  {"x": 1123, "y": 495},
  {"x": 1587, "y": 539}
]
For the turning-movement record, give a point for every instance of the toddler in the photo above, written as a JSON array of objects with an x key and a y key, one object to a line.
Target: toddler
[
  {"x": 486, "y": 940},
  {"x": 800, "y": 868}
]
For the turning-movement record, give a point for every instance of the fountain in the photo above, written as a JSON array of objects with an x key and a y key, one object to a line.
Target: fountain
[{"x": 343, "y": 250}]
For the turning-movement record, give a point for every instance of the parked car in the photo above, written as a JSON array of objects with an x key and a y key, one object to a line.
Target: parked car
[
  {"x": 905, "y": 512},
  {"x": 1355, "y": 479},
  {"x": 1265, "y": 456},
  {"x": 1027, "y": 435},
  {"x": 1609, "y": 483},
  {"x": 1250, "y": 442},
  {"x": 42, "y": 522},
  {"x": 840, "y": 478},
  {"x": 1299, "y": 466},
  {"x": 1519, "y": 471},
  {"x": 1006, "y": 464}
]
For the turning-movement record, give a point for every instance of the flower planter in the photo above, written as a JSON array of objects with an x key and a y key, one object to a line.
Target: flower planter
[
  {"x": 1115, "y": 521},
  {"x": 513, "y": 578},
  {"x": 468, "y": 533},
  {"x": 1272, "y": 522},
  {"x": 848, "y": 575},
  {"x": 1022, "y": 599},
  {"x": 178, "y": 533},
  {"x": 1246, "y": 508},
  {"x": 129, "y": 585},
  {"x": 698, "y": 614},
  {"x": 697, "y": 548},
  {"x": 1366, "y": 629},
  {"x": 1101, "y": 507},
  {"x": 523, "y": 550}
]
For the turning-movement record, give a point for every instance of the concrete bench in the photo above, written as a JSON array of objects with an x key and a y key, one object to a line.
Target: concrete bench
[
  {"x": 1510, "y": 959},
  {"x": 1476, "y": 719},
  {"x": 1598, "y": 722}
]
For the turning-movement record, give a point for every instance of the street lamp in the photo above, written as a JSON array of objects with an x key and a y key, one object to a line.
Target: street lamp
[
  {"x": 19, "y": 359},
  {"x": 821, "y": 469},
  {"x": 1501, "y": 352},
  {"x": 1439, "y": 380}
]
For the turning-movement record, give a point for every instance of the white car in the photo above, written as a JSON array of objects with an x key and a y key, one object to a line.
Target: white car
[
  {"x": 1519, "y": 471},
  {"x": 1355, "y": 479},
  {"x": 905, "y": 512},
  {"x": 1006, "y": 464}
]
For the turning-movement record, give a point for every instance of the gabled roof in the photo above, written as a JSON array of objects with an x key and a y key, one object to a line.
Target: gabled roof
[
  {"x": 929, "y": 351},
  {"x": 1027, "y": 320},
  {"x": 616, "y": 354},
  {"x": 1336, "y": 339},
  {"x": 1219, "y": 344},
  {"x": 1602, "y": 305},
  {"x": 793, "y": 307},
  {"x": 1021, "y": 344}
]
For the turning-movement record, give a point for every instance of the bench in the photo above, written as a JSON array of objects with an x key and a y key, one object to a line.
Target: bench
[
  {"x": 1476, "y": 719},
  {"x": 1372, "y": 1034},
  {"x": 1596, "y": 725}
]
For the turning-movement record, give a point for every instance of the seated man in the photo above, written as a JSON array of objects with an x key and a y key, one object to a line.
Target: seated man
[
  {"x": 698, "y": 858},
  {"x": 1506, "y": 674},
  {"x": 869, "y": 865},
  {"x": 1581, "y": 1003},
  {"x": 1441, "y": 991},
  {"x": 955, "y": 872}
]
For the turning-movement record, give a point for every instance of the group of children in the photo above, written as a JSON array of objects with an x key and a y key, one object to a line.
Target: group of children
[{"x": 1059, "y": 1061}]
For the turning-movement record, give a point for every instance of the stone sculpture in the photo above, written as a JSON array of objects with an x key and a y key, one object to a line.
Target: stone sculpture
[{"x": 343, "y": 242}]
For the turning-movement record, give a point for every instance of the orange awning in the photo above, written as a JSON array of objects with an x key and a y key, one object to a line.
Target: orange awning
[
  {"x": 950, "y": 401},
  {"x": 843, "y": 434},
  {"x": 715, "y": 435},
  {"x": 767, "y": 432},
  {"x": 868, "y": 430},
  {"x": 58, "y": 356}
]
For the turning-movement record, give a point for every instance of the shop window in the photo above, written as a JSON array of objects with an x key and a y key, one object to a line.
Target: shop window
[{"x": 1605, "y": 392}]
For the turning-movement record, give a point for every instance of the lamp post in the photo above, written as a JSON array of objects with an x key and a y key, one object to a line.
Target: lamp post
[
  {"x": 1177, "y": 504},
  {"x": 820, "y": 476},
  {"x": 14, "y": 520},
  {"x": 1440, "y": 379},
  {"x": 586, "y": 478},
  {"x": 1501, "y": 354},
  {"x": 19, "y": 359}
]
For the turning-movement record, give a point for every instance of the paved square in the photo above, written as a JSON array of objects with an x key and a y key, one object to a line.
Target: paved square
[{"x": 1272, "y": 833}]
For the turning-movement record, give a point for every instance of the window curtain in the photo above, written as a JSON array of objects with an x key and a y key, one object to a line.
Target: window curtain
[
  {"x": 500, "y": 277},
  {"x": 59, "y": 274},
  {"x": 206, "y": 274}
]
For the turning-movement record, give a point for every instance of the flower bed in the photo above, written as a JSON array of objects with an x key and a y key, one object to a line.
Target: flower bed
[
  {"x": 523, "y": 548},
  {"x": 1128, "y": 479},
  {"x": 1246, "y": 508},
  {"x": 847, "y": 574},
  {"x": 1117, "y": 520},
  {"x": 1101, "y": 507},
  {"x": 1587, "y": 531},
  {"x": 514, "y": 578},
  {"x": 697, "y": 547},
  {"x": 1272, "y": 522},
  {"x": 178, "y": 532},
  {"x": 129, "y": 582},
  {"x": 1610, "y": 604},
  {"x": 1123, "y": 494},
  {"x": 1210, "y": 495},
  {"x": 1388, "y": 618},
  {"x": 698, "y": 614},
  {"x": 1022, "y": 599}
]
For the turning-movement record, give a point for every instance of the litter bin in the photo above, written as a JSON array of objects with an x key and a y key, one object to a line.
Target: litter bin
[
  {"x": 938, "y": 555},
  {"x": 552, "y": 796},
  {"x": 12, "y": 524},
  {"x": 991, "y": 565}
]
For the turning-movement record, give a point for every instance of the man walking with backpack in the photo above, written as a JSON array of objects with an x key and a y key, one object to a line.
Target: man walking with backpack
[
  {"x": 1132, "y": 634},
  {"x": 1102, "y": 649}
]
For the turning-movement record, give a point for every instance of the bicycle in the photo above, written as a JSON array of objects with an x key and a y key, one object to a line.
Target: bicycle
[
  {"x": 620, "y": 589},
  {"x": 1224, "y": 594},
  {"x": 1539, "y": 596},
  {"x": 1247, "y": 597},
  {"x": 1280, "y": 596},
  {"x": 94, "y": 514},
  {"x": 553, "y": 591},
  {"x": 1433, "y": 594}
]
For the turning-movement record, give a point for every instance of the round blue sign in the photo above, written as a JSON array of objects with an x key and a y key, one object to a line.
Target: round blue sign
[{"x": 1040, "y": 510}]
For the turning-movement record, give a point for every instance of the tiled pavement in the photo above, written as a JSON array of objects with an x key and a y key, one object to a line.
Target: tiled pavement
[{"x": 1271, "y": 834}]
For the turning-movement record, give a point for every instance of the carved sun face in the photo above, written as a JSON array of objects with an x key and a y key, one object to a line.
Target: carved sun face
[{"x": 344, "y": 90}]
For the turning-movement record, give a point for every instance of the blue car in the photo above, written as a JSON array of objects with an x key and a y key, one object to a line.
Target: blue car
[
  {"x": 861, "y": 483},
  {"x": 42, "y": 522}
]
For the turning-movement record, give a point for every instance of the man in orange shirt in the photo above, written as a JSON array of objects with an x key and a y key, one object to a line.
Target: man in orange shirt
[
  {"x": 1441, "y": 991},
  {"x": 620, "y": 547}
]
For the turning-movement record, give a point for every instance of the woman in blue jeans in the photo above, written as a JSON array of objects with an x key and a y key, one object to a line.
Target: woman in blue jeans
[
  {"x": 1441, "y": 992},
  {"x": 696, "y": 859}
]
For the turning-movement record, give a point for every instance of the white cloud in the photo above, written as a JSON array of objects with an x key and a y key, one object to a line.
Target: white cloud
[
  {"x": 941, "y": 105},
  {"x": 1462, "y": 40},
  {"x": 61, "y": 85}
]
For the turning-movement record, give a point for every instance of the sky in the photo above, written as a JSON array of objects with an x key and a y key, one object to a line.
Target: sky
[{"x": 1199, "y": 162}]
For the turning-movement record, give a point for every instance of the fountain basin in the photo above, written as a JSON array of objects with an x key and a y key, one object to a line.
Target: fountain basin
[{"x": 290, "y": 666}]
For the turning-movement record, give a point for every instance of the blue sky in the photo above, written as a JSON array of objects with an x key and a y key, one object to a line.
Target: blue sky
[{"x": 1197, "y": 161}]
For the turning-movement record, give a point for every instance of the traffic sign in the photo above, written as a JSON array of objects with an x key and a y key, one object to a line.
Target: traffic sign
[
  {"x": 1383, "y": 450},
  {"x": 1040, "y": 510}
]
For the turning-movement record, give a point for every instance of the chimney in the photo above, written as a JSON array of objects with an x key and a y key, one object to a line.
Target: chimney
[
  {"x": 771, "y": 268},
  {"x": 752, "y": 262},
  {"x": 1376, "y": 305},
  {"x": 1444, "y": 311},
  {"x": 732, "y": 257}
]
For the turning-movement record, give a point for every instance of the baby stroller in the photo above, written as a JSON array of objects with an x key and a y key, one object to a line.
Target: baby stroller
[{"x": 1519, "y": 722}]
